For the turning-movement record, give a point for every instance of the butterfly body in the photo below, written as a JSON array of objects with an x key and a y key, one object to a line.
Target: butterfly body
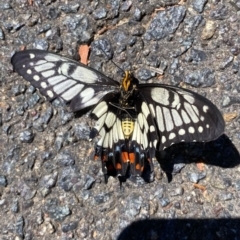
[{"x": 133, "y": 120}]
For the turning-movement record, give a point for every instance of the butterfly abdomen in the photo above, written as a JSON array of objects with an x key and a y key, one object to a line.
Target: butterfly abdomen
[{"x": 127, "y": 126}]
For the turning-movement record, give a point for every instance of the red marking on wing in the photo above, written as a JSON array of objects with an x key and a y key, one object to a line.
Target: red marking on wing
[
  {"x": 104, "y": 158},
  {"x": 118, "y": 166},
  {"x": 125, "y": 157},
  {"x": 132, "y": 157}
]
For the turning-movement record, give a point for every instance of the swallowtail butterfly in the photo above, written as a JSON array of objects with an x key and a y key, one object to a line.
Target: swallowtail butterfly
[{"x": 133, "y": 120}]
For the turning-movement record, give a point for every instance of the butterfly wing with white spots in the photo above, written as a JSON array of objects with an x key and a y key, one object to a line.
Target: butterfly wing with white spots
[
  {"x": 57, "y": 76},
  {"x": 181, "y": 115}
]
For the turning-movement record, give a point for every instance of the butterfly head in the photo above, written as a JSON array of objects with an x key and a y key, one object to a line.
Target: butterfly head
[{"x": 128, "y": 82}]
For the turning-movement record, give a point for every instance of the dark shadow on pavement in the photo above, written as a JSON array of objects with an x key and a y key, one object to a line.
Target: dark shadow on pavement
[
  {"x": 174, "y": 229},
  {"x": 220, "y": 152}
]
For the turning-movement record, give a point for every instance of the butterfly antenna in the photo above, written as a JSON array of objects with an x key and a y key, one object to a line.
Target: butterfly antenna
[{"x": 113, "y": 62}]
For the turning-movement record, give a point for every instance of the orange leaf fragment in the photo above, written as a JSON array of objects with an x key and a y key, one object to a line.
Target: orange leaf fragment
[
  {"x": 22, "y": 48},
  {"x": 199, "y": 186},
  {"x": 228, "y": 117},
  {"x": 181, "y": 2},
  {"x": 83, "y": 53}
]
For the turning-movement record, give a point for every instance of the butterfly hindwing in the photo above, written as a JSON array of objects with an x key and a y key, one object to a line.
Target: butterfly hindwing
[
  {"x": 57, "y": 76},
  {"x": 181, "y": 115},
  {"x": 111, "y": 148}
]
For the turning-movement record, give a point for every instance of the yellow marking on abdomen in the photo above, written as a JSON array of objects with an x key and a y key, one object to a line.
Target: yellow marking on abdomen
[{"x": 127, "y": 127}]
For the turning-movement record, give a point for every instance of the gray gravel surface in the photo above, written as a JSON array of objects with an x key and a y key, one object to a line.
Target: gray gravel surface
[{"x": 50, "y": 188}]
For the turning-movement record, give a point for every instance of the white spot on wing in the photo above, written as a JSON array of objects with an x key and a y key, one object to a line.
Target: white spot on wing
[
  {"x": 145, "y": 124},
  {"x": 160, "y": 95},
  {"x": 101, "y": 108},
  {"x": 31, "y": 55},
  {"x": 176, "y": 100},
  {"x": 100, "y": 142},
  {"x": 115, "y": 133},
  {"x": 138, "y": 133},
  {"x": 176, "y": 118},
  {"x": 44, "y": 67},
  {"x": 84, "y": 74},
  {"x": 145, "y": 140},
  {"x": 152, "y": 110},
  {"x": 189, "y": 98},
  {"x": 207, "y": 125},
  {"x": 110, "y": 144},
  {"x": 181, "y": 132},
  {"x": 191, "y": 113},
  {"x": 48, "y": 73},
  {"x": 106, "y": 140},
  {"x": 72, "y": 92},
  {"x": 195, "y": 109},
  {"x": 163, "y": 140},
  {"x": 38, "y": 62},
  {"x": 172, "y": 136},
  {"x": 87, "y": 94},
  {"x": 61, "y": 87},
  {"x": 64, "y": 69},
  {"x": 43, "y": 85},
  {"x": 152, "y": 128},
  {"x": 50, "y": 94},
  {"x": 119, "y": 129},
  {"x": 134, "y": 136},
  {"x": 53, "y": 58},
  {"x": 160, "y": 121},
  {"x": 191, "y": 130},
  {"x": 110, "y": 119},
  {"x": 102, "y": 132},
  {"x": 185, "y": 117},
  {"x": 145, "y": 109},
  {"x": 140, "y": 120},
  {"x": 94, "y": 100},
  {"x": 29, "y": 71},
  {"x": 168, "y": 119},
  {"x": 36, "y": 78},
  {"x": 56, "y": 79},
  {"x": 178, "y": 106},
  {"x": 200, "y": 129},
  {"x": 100, "y": 122},
  {"x": 205, "y": 108}
]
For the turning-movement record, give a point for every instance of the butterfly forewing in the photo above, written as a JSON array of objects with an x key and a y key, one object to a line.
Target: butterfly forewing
[
  {"x": 181, "y": 115},
  {"x": 57, "y": 76}
]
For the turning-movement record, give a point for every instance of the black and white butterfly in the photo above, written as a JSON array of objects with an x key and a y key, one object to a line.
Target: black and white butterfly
[{"x": 133, "y": 120}]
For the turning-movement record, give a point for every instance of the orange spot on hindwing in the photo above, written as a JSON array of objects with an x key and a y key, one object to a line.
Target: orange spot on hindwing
[
  {"x": 104, "y": 157},
  {"x": 138, "y": 167},
  {"x": 132, "y": 157},
  {"x": 118, "y": 166},
  {"x": 125, "y": 157}
]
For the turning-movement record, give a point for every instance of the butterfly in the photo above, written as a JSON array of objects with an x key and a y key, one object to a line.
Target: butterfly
[{"x": 133, "y": 120}]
